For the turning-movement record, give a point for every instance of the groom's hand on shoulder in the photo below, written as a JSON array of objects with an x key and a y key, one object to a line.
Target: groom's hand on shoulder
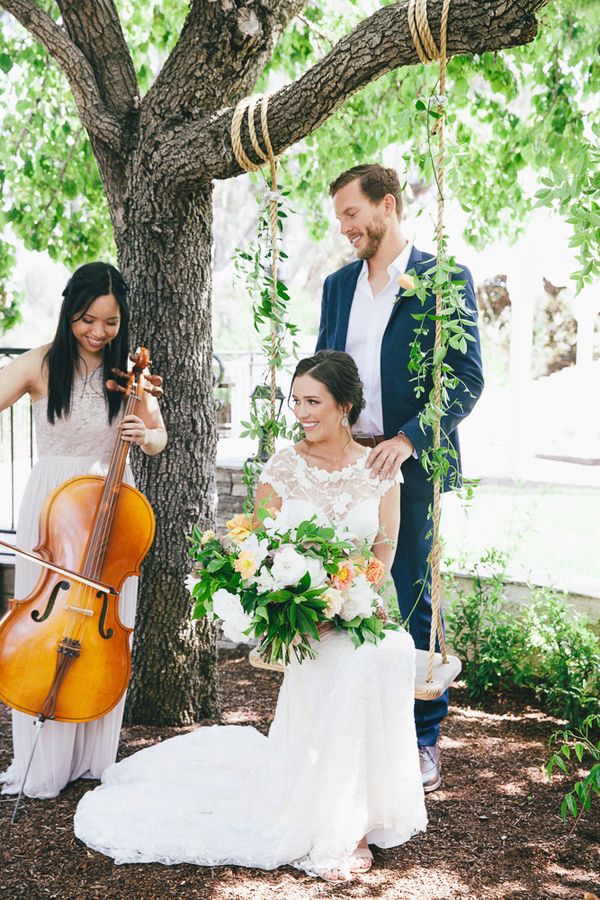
[{"x": 386, "y": 458}]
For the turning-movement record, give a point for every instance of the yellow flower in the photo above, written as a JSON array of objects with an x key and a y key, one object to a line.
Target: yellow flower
[
  {"x": 245, "y": 564},
  {"x": 406, "y": 282},
  {"x": 240, "y": 527},
  {"x": 206, "y": 537}
]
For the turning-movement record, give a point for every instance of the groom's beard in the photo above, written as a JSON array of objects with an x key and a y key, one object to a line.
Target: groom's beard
[{"x": 375, "y": 234}]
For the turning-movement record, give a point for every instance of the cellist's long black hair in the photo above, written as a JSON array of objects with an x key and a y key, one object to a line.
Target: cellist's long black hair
[{"x": 87, "y": 282}]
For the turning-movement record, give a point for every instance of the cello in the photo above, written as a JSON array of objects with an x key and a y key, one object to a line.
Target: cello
[{"x": 64, "y": 652}]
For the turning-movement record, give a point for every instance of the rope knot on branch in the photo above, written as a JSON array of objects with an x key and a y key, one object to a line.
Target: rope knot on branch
[{"x": 423, "y": 40}]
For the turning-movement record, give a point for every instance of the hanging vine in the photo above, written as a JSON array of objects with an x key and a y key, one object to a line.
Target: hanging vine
[{"x": 258, "y": 267}]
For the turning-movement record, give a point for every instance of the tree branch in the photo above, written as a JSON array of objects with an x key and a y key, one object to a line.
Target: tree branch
[
  {"x": 202, "y": 73},
  {"x": 94, "y": 114},
  {"x": 377, "y": 45},
  {"x": 94, "y": 26}
]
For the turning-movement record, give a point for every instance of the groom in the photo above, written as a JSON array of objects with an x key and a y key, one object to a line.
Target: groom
[{"x": 364, "y": 313}]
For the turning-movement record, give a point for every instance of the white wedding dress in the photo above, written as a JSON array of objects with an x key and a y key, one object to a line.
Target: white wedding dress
[{"x": 340, "y": 760}]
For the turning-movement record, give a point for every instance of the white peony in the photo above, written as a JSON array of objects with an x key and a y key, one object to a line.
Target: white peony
[
  {"x": 288, "y": 566},
  {"x": 228, "y": 608},
  {"x": 316, "y": 570},
  {"x": 264, "y": 581},
  {"x": 359, "y": 600},
  {"x": 293, "y": 513},
  {"x": 234, "y": 631}
]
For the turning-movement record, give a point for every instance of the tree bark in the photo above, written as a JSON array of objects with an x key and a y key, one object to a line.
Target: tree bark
[{"x": 165, "y": 252}]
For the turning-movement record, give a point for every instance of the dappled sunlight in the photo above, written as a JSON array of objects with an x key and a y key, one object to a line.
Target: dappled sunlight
[
  {"x": 514, "y": 788},
  {"x": 243, "y": 717},
  {"x": 439, "y": 883},
  {"x": 528, "y": 713}
]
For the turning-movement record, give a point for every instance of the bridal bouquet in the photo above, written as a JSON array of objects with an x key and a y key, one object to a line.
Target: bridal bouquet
[{"x": 278, "y": 580}]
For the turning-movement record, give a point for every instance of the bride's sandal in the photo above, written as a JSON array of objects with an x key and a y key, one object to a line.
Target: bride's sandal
[{"x": 361, "y": 860}]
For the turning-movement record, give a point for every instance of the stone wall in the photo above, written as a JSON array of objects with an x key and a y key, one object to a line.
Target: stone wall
[{"x": 232, "y": 492}]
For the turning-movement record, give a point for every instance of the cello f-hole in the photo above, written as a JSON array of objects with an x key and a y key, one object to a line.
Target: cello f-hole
[
  {"x": 60, "y": 585},
  {"x": 104, "y": 634}
]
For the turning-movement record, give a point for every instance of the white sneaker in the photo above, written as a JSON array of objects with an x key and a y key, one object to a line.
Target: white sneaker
[{"x": 431, "y": 767}]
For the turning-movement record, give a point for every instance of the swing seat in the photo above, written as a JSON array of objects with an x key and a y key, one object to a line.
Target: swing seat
[{"x": 444, "y": 673}]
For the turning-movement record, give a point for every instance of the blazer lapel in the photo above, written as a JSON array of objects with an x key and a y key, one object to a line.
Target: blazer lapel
[
  {"x": 418, "y": 262},
  {"x": 345, "y": 297}
]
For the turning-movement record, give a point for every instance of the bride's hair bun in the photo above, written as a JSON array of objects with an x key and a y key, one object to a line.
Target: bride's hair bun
[{"x": 338, "y": 372}]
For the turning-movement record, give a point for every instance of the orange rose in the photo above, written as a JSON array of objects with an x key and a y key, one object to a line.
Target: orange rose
[{"x": 375, "y": 571}]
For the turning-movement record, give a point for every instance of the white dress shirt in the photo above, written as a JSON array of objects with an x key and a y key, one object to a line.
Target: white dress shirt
[{"x": 369, "y": 316}]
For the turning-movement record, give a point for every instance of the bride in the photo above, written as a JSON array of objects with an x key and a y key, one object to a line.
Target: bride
[{"x": 339, "y": 769}]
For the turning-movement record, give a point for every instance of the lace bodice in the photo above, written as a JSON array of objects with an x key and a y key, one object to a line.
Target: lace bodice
[
  {"x": 349, "y": 497},
  {"x": 85, "y": 431}
]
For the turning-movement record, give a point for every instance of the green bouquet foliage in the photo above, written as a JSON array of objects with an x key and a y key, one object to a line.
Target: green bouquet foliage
[{"x": 283, "y": 582}]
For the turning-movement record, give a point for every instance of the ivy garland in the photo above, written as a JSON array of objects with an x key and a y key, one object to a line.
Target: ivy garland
[{"x": 270, "y": 313}]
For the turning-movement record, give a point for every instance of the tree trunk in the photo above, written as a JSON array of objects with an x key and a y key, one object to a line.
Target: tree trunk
[{"x": 164, "y": 245}]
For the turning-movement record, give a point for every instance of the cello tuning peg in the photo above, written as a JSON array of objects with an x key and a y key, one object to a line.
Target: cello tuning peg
[
  {"x": 155, "y": 391},
  {"x": 119, "y": 373},
  {"x": 112, "y": 385},
  {"x": 154, "y": 379}
]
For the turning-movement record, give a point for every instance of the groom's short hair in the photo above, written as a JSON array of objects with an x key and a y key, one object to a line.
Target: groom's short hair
[{"x": 375, "y": 182}]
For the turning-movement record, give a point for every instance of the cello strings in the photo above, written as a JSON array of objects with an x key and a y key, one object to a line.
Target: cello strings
[{"x": 105, "y": 520}]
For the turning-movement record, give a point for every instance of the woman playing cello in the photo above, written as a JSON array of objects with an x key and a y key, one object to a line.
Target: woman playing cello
[{"x": 77, "y": 422}]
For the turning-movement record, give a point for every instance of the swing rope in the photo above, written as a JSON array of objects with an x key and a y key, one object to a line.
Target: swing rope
[
  {"x": 246, "y": 108},
  {"x": 429, "y": 52}
]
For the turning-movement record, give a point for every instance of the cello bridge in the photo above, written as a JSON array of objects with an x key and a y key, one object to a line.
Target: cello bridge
[{"x": 78, "y": 609}]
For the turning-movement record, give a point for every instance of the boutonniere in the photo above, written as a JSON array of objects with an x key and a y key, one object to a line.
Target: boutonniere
[{"x": 406, "y": 282}]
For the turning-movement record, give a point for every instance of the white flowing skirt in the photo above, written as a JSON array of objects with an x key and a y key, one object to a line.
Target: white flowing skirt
[
  {"x": 64, "y": 751},
  {"x": 340, "y": 761}
]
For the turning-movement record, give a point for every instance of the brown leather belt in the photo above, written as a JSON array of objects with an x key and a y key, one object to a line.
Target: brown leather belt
[{"x": 370, "y": 440}]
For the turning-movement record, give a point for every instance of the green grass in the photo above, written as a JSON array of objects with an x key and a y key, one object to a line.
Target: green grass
[{"x": 550, "y": 531}]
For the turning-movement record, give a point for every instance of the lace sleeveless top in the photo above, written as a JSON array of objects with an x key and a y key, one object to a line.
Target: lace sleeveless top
[
  {"x": 85, "y": 431},
  {"x": 349, "y": 497}
]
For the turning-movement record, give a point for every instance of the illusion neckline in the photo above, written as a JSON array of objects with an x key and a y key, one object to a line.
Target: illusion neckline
[{"x": 361, "y": 459}]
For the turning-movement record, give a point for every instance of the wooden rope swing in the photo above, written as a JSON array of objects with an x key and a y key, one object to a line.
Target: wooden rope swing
[{"x": 435, "y": 672}]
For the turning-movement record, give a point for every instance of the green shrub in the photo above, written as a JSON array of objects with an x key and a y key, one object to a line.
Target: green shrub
[
  {"x": 546, "y": 647},
  {"x": 482, "y": 630},
  {"x": 574, "y": 750},
  {"x": 564, "y": 656}
]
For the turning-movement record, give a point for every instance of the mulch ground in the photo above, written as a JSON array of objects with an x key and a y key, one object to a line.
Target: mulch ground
[{"x": 494, "y": 828}]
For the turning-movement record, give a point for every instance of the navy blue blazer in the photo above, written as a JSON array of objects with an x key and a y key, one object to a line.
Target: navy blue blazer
[{"x": 401, "y": 406}]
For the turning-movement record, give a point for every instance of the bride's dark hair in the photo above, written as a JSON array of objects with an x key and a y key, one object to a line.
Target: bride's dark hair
[
  {"x": 87, "y": 282},
  {"x": 338, "y": 372}
]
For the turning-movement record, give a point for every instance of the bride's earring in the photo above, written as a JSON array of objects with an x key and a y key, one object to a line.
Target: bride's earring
[{"x": 345, "y": 421}]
